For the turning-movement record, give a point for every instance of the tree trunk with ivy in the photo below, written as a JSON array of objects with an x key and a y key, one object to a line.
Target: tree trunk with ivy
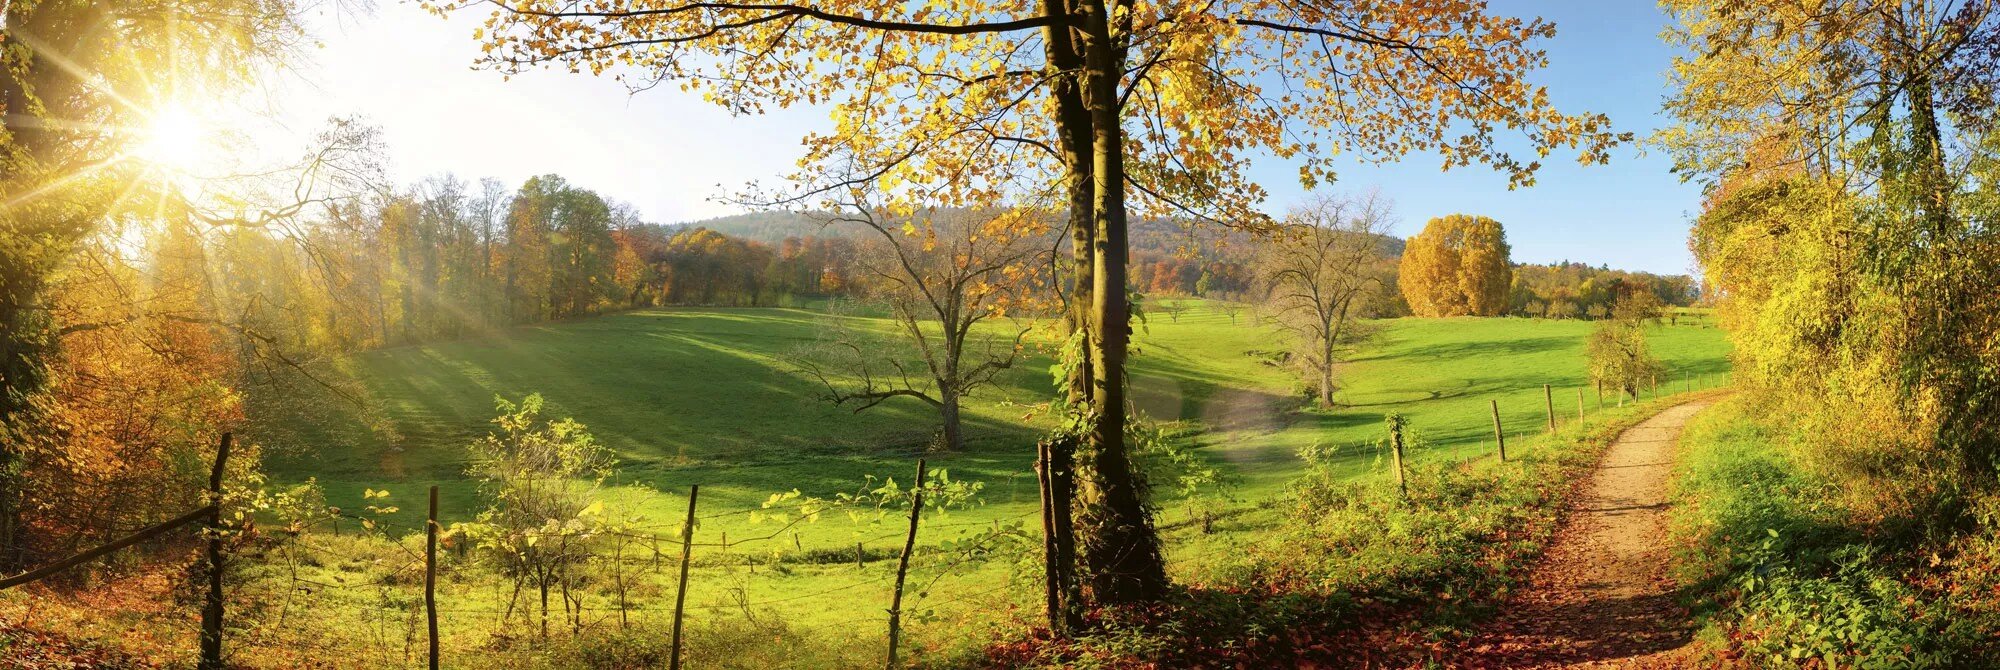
[{"x": 1121, "y": 552}]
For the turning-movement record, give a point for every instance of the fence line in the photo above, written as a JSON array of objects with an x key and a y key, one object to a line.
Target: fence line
[{"x": 946, "y": 564}]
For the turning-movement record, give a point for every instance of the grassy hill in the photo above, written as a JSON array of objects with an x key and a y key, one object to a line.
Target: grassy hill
[{"x": 703, "y": 396}]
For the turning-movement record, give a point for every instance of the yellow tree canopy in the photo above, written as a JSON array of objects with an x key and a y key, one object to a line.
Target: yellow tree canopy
[
  {"x": 1457, "y": 267},
  {"x": 948, "y": 101}
]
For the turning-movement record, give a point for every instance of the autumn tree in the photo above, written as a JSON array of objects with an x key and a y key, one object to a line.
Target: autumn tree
[
  {"x": 583, "y": 254},
  {"x": 702, "y": 267},
  {"x": 96, "y": 167},
  {"x": 1457, "y": 267},
  {"x": 1847, "y": 151},
  {"x": 1594, "y": 288},
  {"x": 814, "y": 266},
  {"x": 560, "y": 255},
  {"x": 75, "y": 78},
  {"x": 950, "y": 283},
  {"x": 1316, "y": 269},
  {"x": 959, "y": 103}
]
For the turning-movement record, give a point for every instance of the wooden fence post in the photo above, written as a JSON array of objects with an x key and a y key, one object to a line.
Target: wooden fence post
[
  {"x": 1579, "y": 403},
  {"x": 430, "y": 575},
  {"x": 1396, "y": 453},
  {"x": 211, "y": 607},
  {"x": 1549, "y": 397},
  {"x": 858, "y": 563},
  {"x": 1499, "y": 435},
  {"x": 903, "y": 565},
  {"x": 680, "y": 595}
]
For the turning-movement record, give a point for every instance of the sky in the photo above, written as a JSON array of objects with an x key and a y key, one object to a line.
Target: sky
[{"x": 671, "y": 153}]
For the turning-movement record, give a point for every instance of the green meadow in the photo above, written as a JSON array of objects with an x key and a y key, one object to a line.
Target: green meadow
[{"x": 705, "y": 396}]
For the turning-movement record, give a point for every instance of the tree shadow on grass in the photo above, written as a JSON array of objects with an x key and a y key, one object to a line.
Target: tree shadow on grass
[{"x": 1494, "y": 348}]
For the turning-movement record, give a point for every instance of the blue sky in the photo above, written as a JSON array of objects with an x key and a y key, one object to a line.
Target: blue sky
[{"x": 670, "y": 153}]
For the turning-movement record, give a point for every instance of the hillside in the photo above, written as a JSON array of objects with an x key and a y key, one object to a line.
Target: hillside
[{"x": 702, "y": 395}]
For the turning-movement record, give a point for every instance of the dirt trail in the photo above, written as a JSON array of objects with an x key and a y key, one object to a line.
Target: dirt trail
[{"x": 1601, "y": 597}]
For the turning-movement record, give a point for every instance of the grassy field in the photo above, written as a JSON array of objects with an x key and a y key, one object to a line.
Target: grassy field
[{"x": 703, "y": 396}]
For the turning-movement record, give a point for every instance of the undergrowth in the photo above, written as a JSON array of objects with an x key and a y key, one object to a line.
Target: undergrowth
[{"x": 1785, "y": 571}]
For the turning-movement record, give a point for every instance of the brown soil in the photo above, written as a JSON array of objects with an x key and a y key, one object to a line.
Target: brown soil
[{"x": 1601, "y": 598}]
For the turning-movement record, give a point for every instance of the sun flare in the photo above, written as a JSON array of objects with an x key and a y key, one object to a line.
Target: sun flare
[{"x": 173, "y": 138}]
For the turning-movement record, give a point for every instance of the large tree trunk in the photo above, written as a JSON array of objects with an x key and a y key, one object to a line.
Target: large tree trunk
[
  {"x": 1057, "y": 460},
  {"x": 1073, "y": 122},
  {"x": 1121, "y": 552},
  {"x": 1333, "y": 330}
]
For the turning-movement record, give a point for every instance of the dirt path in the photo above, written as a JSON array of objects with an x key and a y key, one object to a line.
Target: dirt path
[{"x": 1601, "y": 597}]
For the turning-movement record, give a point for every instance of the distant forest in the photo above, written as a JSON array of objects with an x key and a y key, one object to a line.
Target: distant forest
[
  {"x": 444, "y": 258},
  {"x": 1172, "y": 258}
]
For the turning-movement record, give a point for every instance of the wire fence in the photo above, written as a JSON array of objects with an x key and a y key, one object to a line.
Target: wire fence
[{"x": 945, "y": 580}]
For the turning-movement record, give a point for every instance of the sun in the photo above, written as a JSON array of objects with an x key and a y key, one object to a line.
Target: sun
[{"x": 173, "y": 138}]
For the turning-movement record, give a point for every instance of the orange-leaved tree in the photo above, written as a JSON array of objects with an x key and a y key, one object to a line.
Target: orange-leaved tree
[
  {"x": 78, "y": 83},
  {"x": 1457, "y": 267},
  {"x": 1115, "y": 105}
]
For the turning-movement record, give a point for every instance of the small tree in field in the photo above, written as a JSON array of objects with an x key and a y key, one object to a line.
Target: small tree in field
[
  {"x": 1228, "y": 308},
  {"x": 544, "y": 522},
  {"x": 949, "y": 278},
  {"x": 1619, "y": 355},
  {"x": 1317, "y": 269}
]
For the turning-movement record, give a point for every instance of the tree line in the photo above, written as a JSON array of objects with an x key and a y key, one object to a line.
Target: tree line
[{"x": 446, "y": 258}]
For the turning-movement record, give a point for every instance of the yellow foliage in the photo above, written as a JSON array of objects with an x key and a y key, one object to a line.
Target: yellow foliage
[{"x": 1457, "y": 267}]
